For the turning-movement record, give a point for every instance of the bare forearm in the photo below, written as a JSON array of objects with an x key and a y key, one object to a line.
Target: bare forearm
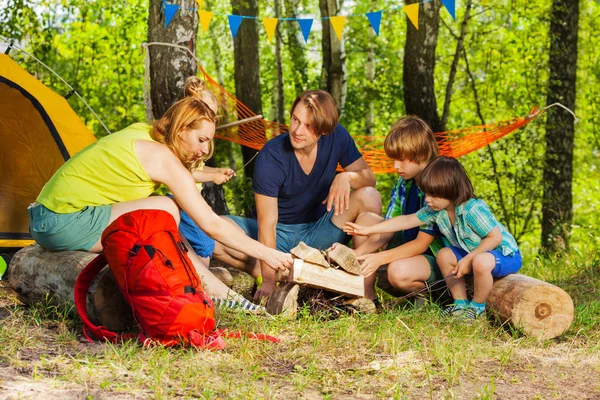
[
  {"x": 361, "y": 178},
  {"x": 373, "y": 243}
]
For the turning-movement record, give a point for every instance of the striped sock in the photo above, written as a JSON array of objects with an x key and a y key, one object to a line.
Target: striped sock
[{"x": 244, "y": 304}]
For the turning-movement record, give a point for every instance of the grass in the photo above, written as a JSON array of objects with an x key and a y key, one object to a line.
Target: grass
[{"x": 399, "y": 353}]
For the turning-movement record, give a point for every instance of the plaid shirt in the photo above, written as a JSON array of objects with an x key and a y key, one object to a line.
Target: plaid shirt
[
  {"x": 474, "y": 221},
  {"x": 399, "y": 205}
]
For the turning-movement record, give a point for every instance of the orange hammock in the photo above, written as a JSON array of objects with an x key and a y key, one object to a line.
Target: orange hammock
[{"x": 255, "y": 133}]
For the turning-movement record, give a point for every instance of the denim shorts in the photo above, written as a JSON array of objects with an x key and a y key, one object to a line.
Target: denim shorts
[
  {"x": 202, "y": 244},
  {"x": 320, "y": 234},
  {"x": 505, "y": 265},
  {"x": 79, "y": 230}
]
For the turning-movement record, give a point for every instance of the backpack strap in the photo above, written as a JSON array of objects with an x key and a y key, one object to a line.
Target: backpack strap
[{"x": 82, "y": 285}]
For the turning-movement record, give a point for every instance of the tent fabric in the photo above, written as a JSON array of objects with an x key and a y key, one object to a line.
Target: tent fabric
[{"x": 38, "y": 132}]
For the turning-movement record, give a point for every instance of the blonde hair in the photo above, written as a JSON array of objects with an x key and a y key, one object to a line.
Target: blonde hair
[
  {"x": 186, "y": 113},
  {"x": 445, "y": 177},
  {"x": 196, "y": 88},
  {"x": 323, "y": 110},
  {"x": 410, "y": 138}
]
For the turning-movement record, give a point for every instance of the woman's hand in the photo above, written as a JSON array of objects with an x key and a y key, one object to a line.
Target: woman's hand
[
  {"x": 277, "y": 260},
  {"x": 358, "y": 230},
  {"x": 370, "y": 263}
]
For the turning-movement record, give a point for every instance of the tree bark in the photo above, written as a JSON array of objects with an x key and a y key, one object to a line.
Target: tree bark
[
  {"x": 296, "y": 49},
  {"x": 247, "y": 68},
  {"x": 419, "y": 65},
  {"x": 557, "y": 201},
  {"x": 169, "y": 66},
  {"x": 279, "y": 94},
  {"x": 333, "y": 71}
]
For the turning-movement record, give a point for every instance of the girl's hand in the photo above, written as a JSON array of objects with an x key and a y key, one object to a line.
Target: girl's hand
[
  {"x": 223, "y": 175},
  {"x": 370, "y": 263},
  {"x": 462, "y": 268},
  {"x": 354, "y": 229}
]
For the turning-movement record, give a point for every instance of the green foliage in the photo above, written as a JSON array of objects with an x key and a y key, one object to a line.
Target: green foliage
[{"x": 96, "y": 47}]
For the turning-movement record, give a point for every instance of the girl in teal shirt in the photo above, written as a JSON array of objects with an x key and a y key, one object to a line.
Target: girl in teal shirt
[{"x": 476, "y": 242}]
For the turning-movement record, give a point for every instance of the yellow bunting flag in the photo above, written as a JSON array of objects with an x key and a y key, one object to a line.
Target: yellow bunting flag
[
  {"x": 338, "y": 25},
  {"x": 412, "y": 11},
  {"x": 205, "y": 18},
  {"x": 200, "y": 4},
  {"x": 270, "y": 25}
]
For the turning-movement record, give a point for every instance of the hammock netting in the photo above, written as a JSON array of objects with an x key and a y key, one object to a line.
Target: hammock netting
[{"x": 255, "y": 133}]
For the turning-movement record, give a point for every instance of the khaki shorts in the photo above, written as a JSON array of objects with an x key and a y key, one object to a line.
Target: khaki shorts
[{"x": 79, "y": 230}]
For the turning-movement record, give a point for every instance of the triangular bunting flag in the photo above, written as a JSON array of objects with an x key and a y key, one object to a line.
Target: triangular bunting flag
[
  {"x": 170, "y": 10},
  {"x": 338, "y": 25},
  {"x": 234, "y": 24},
  {"x": 270, "y": 26},
  {"x": 305, "y": 25},
  {"x": 450, "y": 6},
  {"x": 375, "y": 20},
  {"x": 205, "y": 18},
  {"x": 200, "y": 4},
  {"x": 412, "y": 12}
]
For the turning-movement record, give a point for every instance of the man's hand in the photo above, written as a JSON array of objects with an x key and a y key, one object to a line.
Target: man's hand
[
  {"x": 339, "y": 194},
  {"x": 358, "y": 230},
  {"x": 370, "y": 263},
  {"x": 462, "y": 268}
]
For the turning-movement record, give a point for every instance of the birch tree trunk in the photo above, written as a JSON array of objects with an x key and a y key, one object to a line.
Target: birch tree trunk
[
  {"x": 247, "y": 67},
  {"x": 333, "y": 71},
  {"x": 169, "y": 68},
  {"x": 557, "y": 201},
  {"x": 419, "y": 65}
]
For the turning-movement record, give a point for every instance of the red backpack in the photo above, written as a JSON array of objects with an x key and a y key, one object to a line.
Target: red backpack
[{"x": 158, "y": 280}]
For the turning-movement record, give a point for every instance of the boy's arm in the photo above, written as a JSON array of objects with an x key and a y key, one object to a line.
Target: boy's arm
[
  {"x": 399, "y": 223},
  {"x": 371, "y": 262},
  {"x": 490, "y": 242}
]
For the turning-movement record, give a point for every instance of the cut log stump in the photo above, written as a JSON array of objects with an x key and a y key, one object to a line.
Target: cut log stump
[
  {"x": 39, "y": 275},
  {"x": 537, "y": 308},
  {"x": 284, "y": 300}
]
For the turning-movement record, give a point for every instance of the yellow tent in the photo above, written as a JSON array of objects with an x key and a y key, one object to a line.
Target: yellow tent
[{"x": 38, "y": 132}]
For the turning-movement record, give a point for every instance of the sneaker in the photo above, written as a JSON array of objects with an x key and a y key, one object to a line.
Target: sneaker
[
  {"x": 453, "y": 311},
  {"x": 473, "y": 314},
  {"x": 243, "y": 305}
]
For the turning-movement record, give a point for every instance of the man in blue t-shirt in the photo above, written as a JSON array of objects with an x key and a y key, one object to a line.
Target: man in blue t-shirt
[{"x": 299, "y": 195}]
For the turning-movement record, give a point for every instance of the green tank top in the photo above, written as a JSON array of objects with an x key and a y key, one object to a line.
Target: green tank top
[{"x": 106, "y": 172}]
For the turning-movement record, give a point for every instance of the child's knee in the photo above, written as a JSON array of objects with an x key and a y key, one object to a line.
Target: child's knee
[
  {"x": 483, "y": 263},
  {"x": 445, "y": 256}
]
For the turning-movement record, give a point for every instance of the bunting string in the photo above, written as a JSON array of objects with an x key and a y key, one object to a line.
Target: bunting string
[{"x": 338, "y": 21}]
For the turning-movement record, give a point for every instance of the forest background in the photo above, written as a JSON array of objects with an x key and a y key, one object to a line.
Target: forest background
[
  {"x": 501, "y": 73},
  {"x": 504, "y": 69}
]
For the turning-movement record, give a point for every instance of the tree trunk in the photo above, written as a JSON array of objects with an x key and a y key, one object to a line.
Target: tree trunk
[
  {"x": 557, "y": 200},
  {"x": 247, "y": 68},
  {"x": 419, "y": 65},
  {"x": 42, "y": 276},
  {"x": 333, "y": 71},
  {"x": 169, "y": 66},
  {"x": 279, "y": 94},
  {"x": 296, "y": 49}
]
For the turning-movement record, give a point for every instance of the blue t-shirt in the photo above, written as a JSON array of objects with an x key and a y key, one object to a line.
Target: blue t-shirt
[{"x": 278, "y": 174}]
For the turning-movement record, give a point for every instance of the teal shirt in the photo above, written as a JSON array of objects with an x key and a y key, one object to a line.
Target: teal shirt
[{"x": 474, "y": 221}]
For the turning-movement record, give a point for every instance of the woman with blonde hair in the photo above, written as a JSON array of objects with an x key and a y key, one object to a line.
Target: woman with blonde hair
[{"x": 120, "y": 172}]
